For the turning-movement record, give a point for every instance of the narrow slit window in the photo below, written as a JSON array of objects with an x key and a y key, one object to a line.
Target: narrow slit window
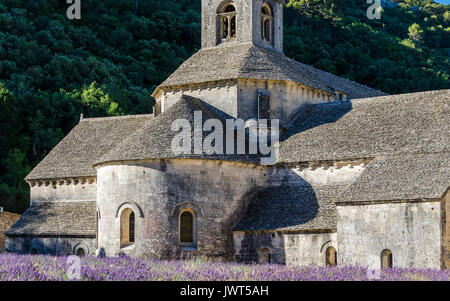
[
  {"x": 263, "y": 106},
  {"x": 131, "y": 230}
]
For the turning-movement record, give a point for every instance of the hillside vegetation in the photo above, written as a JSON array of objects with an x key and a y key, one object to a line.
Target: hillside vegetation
[{"x": 52, "y": 69}]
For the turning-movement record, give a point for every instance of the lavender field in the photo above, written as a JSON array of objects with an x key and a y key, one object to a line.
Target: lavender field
[{"x": 46, "y": 268}]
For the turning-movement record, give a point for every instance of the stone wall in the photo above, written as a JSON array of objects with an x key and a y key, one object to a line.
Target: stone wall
[
  {"x": 303, "y": 249},
  {"x": 239, "y": 98},
  {"x": 222, "y": 95},
  {"x": 286, "y": 98},
  {"x": 248, "y": 245},
  {"x": 58, "y": 246},
  {"x": 412, "y": 231},
  {"x": 53, "y": 191},
  {"x": 446, "y": 230},
  {"x": 157, "y": 191},
  {"x": 309, "y": 249},
  {"x": 300, "y": 249}
]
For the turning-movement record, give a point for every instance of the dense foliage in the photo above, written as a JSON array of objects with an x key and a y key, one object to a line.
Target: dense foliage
[
  {"x": 47, "y": 268},
  {"x": 108, "y": 63}
]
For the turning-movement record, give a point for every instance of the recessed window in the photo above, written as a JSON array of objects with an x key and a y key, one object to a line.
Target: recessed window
[
  {"x": 386, "y": 259},
  {"x": 263, "y": 106},
  {"x": 227, "y": 21},
  {"x": 81, "y": 253},
  {"x": 127, "y": 228},
  {"x": 264, "y": 256},
  {"x": 187, "y": 225},
  {"x": 331, "y": 256}
]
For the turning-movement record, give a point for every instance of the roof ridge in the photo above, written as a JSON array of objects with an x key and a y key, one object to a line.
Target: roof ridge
[
  {"x": 93, "y": 119},
  {"x": 388, "y": 97},
  {"x": 332, "y": 74},
  {"x": 382, "y": 98}
]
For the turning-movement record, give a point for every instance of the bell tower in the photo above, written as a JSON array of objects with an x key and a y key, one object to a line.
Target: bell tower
[{"x": 227, "y": 22}]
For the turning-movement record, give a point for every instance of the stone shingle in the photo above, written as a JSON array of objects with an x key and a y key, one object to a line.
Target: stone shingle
[
  {"x": 57, "y": 219},
  {"x": 154, "y": 139},
  {"x": 293, "y": 208},
  {"x": 372, "y": 127},
  {"x": 409, "y": 177},
  {"x": 248, "y": 61},
  {"x": 86, "y": 143}
]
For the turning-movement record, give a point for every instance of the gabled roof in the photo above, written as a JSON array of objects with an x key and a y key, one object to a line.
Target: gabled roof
[
  {"x": 409, "y": 177},
  {"x": 154, "y": 139},
  {"x": 57, "y": 219},
  {"x": 248, "y": 61},
  {"x": 371, "y": 127},
  {"x": 293, "y": 208},
  {"x": 86, "y": 143}
]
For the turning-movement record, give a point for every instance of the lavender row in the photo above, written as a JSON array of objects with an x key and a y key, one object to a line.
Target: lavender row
[{"x": 47, "y": 268}]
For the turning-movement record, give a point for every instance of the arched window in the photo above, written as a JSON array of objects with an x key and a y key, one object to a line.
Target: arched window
[
  {"x": 80, "y": 252},
  {"x": 331, "y": 256},
  {"x": 187, "y": 224},
  {"x": 127, "y": 228},
  {"x": 264, "y": 256},
  {"x": 267, "y": 23},
  {"x": 227, "y": 21},
  {"x": 386, "y": 259}
]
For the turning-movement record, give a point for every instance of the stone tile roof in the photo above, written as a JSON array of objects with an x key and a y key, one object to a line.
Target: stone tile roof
[
  {"x": 154, "y": 139},
  {"x": 57, "y": 219},
  {"x": 248, "y": 61},
  {"x": 371, "y": 127},
  {"x": 410, "y": 177},
  {"x": 86, "y": 143},
  {"x": 293, "y": 208}
]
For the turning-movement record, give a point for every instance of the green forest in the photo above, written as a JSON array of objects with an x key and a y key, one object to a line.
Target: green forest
[{"x": 52, "y": 69}]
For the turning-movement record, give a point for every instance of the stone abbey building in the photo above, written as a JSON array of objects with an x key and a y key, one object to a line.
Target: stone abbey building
[{"x": 361, "y": 177}]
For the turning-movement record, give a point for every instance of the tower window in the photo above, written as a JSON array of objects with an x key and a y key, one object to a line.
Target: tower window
[
  {"x": 227, "y": 17},
  {"x": 267, "y": 23},
  {"x": 386, "y": 259}
]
